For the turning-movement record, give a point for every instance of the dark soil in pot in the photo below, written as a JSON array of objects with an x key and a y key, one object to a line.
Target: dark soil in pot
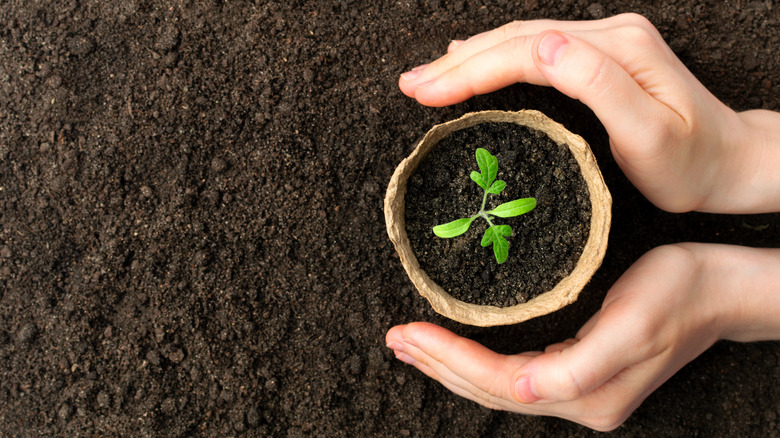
[{"x": 546, "y": 242}]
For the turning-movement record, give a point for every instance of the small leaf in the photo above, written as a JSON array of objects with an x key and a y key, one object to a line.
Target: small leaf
[
  {"x": 488, "y": 165},
  {"x": 500, "y": 248},
  {"x": 488, "y": 237},
  {"x": 497, "y": 187},
  {"x": 477, "y": 178},
  {"x": 514, "y": 208},
  {"x": 482, "y": 160},
  {"x": 454, "y": 228},
  {"x": 504, "y": 230}
]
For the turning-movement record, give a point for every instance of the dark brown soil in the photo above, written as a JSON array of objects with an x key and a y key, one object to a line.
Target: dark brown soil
[
  {"x": 192, "y": 241},
  {"x": 545, "y": 243}
]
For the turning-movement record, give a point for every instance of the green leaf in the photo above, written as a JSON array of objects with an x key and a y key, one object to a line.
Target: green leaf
[
  {"x": 500, "y": 248},
  {"x": 477, "y": 178},
  {"x": 514, "y": 208},
  {"x": 497, "y": 187},
  {"x": 488, "y": 165},
  {"x": 504, "y": 230},
  {"x": 454, "y": 228},
  {"x": 495, "y": 235},
  {"x": 488, "y": 237}
]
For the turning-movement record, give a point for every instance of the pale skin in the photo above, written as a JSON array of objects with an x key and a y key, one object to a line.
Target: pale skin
[{"x": 685, "y": 151}]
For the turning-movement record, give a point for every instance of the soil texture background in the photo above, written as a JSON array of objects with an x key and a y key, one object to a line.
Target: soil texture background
[
  {"x": 546, "y": 242},
  {"x": 191, "y": 231}
]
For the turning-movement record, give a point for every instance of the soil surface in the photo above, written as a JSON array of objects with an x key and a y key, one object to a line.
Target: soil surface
[
  {"x": 192, "y": 241},
  {"x": 545, "y": 243}
]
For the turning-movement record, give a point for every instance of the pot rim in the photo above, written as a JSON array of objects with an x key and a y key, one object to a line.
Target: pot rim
[{"x": 568, "y": 289}]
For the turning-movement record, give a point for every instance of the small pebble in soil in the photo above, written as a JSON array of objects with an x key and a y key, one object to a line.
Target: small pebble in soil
[
  {"x": 64, "y": 412},
  {"x": 81, "y": 45},
  {"x": 27, "y": 333},
  {"x": 218, "y": 165},
  {"x": 168, "y": 38},
  {"x": 195, "y": 374},
  {"x": 226, "y": 396},
  {"x": 238, "y": 422},
  {"x": 596, "y": 10},
  {"x": 253, "y": 417},
  {"x": 168, "y": 406},
  {"x": 355, "y": 364},
  {"x": 153, "y": 357},
  {"x": 175, "y": 355},
  {"x": 103, "y": 399}
]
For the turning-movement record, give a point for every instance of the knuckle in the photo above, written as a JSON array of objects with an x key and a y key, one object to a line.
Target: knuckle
[
  {"x": 639, "y": 35},
  {"x": 598, "y": 77},
  {"x": 569, "y": 387},
  {"x": 677, "y": 254},
  {"x": 644, "y": 330},
  {"x": 516, "y": 46},
  {"x": 633, "y": 17},
  {"x": 512, "y": 29},
  {"x": 607, "y": 422}
]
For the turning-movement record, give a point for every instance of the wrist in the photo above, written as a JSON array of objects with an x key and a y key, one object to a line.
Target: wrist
[
  {"x": 744, "y": 179},
  {"x": 741, "y": 288}
]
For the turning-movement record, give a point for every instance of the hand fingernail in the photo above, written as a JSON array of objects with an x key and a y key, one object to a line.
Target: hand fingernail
[
  {"x": 551, "y": 48},
  {"x": 454, "y": 45},
  {"x": 405, "y": 358},
  {"x": 396, "y": 346},
  {"x": 413, "y": 73},
  {"x": 410, "y": 75},
  {"x": 524, "y": 390}
]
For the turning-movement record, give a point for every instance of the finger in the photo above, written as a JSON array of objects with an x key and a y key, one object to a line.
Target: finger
[
  {"x": 454, "y": 44},
  {"x": 584, "y": 72},
  {"x": 561, "y": 345},
  {"x": 485, "y": 71},
  {"x": 439, "y": 372},
  {"x": 403, "y": 340},
  {"x": 588, "y": 326},
  {"x": 460, "y": 362},
  {"x": 617, "y": 340},
  {"x": 633, "y": 326},
  {"x": 486, "y": 40},
  {"x": 602, "y": 409}
]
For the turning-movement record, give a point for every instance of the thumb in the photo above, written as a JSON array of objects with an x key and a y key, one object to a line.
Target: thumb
[
  {"x": 562, "y": 374},
  {"x": 583, "y": 72}
]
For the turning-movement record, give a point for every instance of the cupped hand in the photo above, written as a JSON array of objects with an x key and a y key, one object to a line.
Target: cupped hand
[
  {"x": 681, "y": 147},
  {"x": 662, "y": 313}
]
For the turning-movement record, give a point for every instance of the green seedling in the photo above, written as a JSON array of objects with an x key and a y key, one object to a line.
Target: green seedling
[{"x": 495, "y": 234}]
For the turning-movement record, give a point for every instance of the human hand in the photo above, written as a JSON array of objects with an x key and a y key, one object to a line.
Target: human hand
[
  {"x": 681, "y": 147},
  {"x": 669, "y": 307}
]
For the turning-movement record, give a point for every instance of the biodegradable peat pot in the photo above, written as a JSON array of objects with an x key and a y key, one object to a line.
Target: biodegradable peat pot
[{"x": 595, "y": 233}]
